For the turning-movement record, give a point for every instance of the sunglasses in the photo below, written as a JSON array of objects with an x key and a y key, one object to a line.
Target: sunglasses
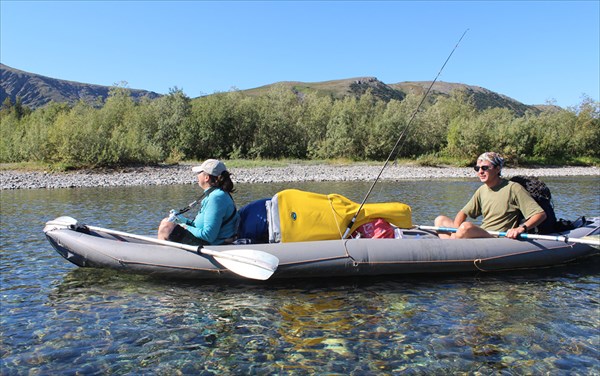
[{"x": 484, "y": 168}]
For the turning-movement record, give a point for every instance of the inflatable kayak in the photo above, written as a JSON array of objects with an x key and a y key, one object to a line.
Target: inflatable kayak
[{"x": 418, "y": 251}]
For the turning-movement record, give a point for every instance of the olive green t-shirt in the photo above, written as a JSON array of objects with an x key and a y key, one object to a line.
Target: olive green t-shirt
[{"x": 502, "y": 207}]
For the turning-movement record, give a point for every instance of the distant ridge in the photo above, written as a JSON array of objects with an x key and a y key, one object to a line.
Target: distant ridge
[
  {"x": 36, "y": 90},
  {"x": 337, "y": 89},
  {"x": 482, "y": 98}
]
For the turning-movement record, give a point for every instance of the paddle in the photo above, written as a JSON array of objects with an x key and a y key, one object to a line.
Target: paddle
[
  {"x": 592, "y": 240},
  {"x": 248, "y": 263}
]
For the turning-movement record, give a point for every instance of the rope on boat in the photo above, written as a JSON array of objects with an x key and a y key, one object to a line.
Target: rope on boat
[{"x": 478, "y": 261}]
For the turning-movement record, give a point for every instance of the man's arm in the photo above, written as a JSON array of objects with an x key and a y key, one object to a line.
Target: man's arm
[
  {"x": 530, "y": 223},
  {"x": 460, "y": 218}
]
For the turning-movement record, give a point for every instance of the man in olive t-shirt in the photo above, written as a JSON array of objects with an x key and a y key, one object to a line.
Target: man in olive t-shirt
[{"x": 501, "y": 202}]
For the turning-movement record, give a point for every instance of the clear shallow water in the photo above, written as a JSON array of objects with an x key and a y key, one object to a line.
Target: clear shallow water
[{"x": 56, "y": 317}]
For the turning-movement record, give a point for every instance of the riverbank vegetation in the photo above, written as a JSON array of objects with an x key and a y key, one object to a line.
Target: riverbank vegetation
[{"x": 282, "y": 125}]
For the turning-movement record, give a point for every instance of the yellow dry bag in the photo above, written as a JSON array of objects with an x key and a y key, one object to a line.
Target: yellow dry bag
[{"x": 304, "y": 216}]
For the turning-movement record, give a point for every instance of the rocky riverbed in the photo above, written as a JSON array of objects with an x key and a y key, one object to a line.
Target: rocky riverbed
[{"x": 182, "y": 174}]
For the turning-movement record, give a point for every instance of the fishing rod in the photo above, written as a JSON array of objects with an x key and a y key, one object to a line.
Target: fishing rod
[{"x": 404, "y": 131}]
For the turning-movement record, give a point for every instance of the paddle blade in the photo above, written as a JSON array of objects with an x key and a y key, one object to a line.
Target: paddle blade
[
  {"x": 248, "y": 263},
  {"x": 593, "y": 240}
]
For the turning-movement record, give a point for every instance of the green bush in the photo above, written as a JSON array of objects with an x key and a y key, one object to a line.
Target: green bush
[{"x": 283, "y": 124}]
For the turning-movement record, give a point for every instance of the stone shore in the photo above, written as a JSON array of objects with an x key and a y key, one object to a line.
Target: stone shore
[{"x": 182, "y": 174}]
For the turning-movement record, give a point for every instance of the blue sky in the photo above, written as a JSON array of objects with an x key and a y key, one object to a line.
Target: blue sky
[{"x": 532, "y": 51}]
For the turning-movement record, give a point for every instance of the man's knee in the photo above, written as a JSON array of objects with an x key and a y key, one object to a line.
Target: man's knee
[
  {"x": 470, "y": 230},
  {"x": 464, "y": 230},
  {"x": 442, "y": 221},
  {"x": 466, "y": 226}
]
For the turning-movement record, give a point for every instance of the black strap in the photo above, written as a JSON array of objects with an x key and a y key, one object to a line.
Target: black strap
[
  {"x": 204, "y": 194},
  {"x": 232, "y": 214},
  {"x": 208, "y": 192},
  {"x": 230, "y": 217}
]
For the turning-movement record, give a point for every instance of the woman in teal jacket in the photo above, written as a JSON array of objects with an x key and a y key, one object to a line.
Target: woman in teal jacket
[{"x": 217, "y": 220}]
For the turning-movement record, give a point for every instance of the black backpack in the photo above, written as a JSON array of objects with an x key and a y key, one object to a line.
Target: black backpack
[{"x": 540, "y": 192}]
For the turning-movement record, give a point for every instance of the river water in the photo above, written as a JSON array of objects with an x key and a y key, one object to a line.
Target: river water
[{"x": 60, "y": 319}]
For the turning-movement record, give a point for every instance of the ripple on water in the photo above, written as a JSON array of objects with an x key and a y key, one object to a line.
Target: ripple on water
[{"x": 56, "y": 318}]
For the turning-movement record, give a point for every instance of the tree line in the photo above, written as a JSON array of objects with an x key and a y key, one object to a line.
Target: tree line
[{"x": 280, "y": 124}]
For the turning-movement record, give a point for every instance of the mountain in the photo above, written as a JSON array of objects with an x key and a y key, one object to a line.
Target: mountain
[
  {"x": 337, "y": 88},
  {"x": 482, "y": 98},
  {"x": 36, "y": 90}
]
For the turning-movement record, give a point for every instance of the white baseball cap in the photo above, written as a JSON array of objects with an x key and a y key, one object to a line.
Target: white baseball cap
[{"x": 212, "y": 167}]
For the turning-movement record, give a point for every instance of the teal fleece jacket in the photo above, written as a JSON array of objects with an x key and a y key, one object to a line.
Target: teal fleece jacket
[{"x": 214, "y": 211}]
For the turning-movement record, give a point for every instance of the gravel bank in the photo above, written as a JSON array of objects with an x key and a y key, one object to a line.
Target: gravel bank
[{"x": 182, "y": 174}]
